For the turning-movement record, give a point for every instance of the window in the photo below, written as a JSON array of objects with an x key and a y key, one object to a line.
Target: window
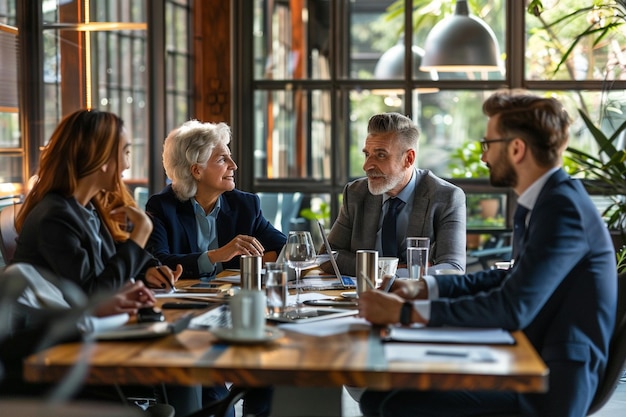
[
  {"x": 95, "y": 54},
  {"x": 11, "y": 150},
  {"x": 314, "y": 84}
]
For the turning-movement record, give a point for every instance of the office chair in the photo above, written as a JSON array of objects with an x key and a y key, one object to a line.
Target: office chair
[
  {"x": 617, "y": 352},
  {"x": 617, "y": 355},
  {"x": 221, "y": 407},
  {"x": 497, "y": 248}
]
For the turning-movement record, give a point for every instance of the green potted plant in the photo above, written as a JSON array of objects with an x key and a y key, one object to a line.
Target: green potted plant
[
  {"x": 605, "y": 172},
  {"x": 317, "y": 212}
]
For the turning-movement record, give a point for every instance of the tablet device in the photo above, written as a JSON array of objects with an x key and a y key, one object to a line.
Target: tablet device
[{"x": 332, "y": 302}]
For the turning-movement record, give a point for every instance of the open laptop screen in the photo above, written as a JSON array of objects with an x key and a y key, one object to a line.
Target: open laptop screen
[{"x": 345, "y": 281}]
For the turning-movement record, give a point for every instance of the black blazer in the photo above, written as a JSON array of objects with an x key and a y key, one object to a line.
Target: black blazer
[
  {"x": 174, "y": 239},
  {"x": 56, "y": 236}
]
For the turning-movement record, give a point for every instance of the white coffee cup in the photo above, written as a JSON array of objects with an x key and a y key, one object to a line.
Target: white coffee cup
[{"x": 247, "y": 309}]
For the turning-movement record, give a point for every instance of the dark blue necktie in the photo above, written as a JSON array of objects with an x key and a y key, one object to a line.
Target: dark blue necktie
[
  {"x": 519, "y": 227},
  {"x": 389, "y": 237}
]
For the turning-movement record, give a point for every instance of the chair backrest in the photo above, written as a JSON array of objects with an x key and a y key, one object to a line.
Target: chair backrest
[
  {"x": 617, "y": 352},
  {"x": 280, "y": 208},
  {"x": 8, "y": 234}
]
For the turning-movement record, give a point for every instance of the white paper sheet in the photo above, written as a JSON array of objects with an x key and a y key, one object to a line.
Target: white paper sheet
[
  {"x": 328, "y": 327},
  {"x": 404, "y": 352},
  {"x": 465, "y": 335}
]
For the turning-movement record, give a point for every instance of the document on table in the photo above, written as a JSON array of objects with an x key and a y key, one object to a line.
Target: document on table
[
  {"x": 464, "y": 335},
  {"x": 232, "y": 279},
  {"x": 402, "y": 352},
  {"x": 328, "y": 327}
]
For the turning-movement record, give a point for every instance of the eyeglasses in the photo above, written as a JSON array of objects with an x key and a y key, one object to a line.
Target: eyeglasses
[{"x": 484, "y": 143}]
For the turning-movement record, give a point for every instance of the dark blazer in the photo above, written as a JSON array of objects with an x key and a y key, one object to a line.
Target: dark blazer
[
  {"x": 56, "y": 236},
  {"x": 561, "y": 292},
  {"x": 438, "y": 212},
  {"x": 174, "y": 239}
]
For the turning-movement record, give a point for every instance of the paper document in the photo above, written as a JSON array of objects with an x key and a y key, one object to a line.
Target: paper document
[
  {"x": 328, "y": 327},
  {"x": 462, "y": 335},
  {"x": 403, "y": 352},
  {"x": 233, "y": 279}
]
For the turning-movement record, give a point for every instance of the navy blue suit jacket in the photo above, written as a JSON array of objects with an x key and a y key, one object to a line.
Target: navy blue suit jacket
[
  {"x": 561, "y": 292},
  {"x": 174, "y": 239}
]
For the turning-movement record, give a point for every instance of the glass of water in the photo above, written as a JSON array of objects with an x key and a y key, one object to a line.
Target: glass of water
[
  {"x": 276, "y": 288},
  {"x": 417, "y": 249}
]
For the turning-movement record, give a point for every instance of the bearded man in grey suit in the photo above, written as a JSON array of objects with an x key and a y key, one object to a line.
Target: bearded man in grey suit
[{"x": 428, "y": 206}]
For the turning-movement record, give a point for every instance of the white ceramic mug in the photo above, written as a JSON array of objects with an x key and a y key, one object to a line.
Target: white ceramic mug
[{"x": 247, "y": 309}]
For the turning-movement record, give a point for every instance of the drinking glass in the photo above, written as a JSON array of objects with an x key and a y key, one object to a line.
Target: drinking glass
[
  {"x": 417, "y": 249},
  {"x": 300, "y": 254},
  {"x": 275, "y": 288}
]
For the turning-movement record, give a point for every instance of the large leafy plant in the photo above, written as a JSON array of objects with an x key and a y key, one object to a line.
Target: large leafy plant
[
  {"x": 602, "y": 17},
  {"x": 605, "y": 172}
]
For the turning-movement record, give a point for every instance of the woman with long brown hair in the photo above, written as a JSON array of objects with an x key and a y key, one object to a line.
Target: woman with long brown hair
[{"x": 75, "y": 220}]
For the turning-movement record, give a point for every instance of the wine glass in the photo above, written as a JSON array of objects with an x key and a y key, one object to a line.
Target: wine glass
[{"x": 300, "y": 254}]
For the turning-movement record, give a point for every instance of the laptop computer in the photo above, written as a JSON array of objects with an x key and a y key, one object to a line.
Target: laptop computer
[{"x": 344, "y": 280}]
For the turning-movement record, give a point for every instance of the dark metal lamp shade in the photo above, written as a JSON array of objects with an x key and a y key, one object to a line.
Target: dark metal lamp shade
[
  {"x": 461, "y": 43},
  {"x": 390, "y": 66}
]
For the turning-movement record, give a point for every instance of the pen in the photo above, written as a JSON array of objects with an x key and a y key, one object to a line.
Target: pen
[
  {"x": 446, "y": 353},
  {"x": 390, "y": 283},
  {"x": 158, "y": 268},
  {"x": 369, "y": 281}
]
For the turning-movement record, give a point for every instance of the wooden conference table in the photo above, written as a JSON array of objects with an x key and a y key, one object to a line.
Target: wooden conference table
[{"x": 354, "y": 358}]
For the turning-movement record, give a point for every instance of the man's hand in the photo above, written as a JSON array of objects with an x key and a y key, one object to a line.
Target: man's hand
[
  {"x": 409, "y": 289},
  {"x": 380, "y": 308}
]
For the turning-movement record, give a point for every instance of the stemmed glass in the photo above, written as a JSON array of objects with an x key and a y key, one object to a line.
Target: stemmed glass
[{"x": 300, "y": 254}]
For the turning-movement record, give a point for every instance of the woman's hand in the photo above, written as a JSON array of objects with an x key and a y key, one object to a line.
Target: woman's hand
[
  {"x": 142, "y": 225},
  {"x": 162, "y": 276},
  {"x": 128, "y": 299},
  {"x": 240, "y": 245}
]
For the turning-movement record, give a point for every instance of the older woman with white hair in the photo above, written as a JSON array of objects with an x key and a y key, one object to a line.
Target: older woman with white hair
[{"x": 201, "y": 221}]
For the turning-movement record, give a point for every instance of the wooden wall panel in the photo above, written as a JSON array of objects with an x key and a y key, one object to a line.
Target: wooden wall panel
[{"x": 212, "y": 62}]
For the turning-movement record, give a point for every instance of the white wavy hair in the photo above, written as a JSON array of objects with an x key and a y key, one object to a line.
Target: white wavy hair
[{"x": 191, "y": 143}]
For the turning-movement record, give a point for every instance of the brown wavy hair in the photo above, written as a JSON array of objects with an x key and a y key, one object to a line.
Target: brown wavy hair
[{"x": 80, "y": 145}]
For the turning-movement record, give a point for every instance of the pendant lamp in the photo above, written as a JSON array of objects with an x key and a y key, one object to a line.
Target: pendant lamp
[
  {"x": 461, "y": 43},
  {"x": 390, "y": 66}
]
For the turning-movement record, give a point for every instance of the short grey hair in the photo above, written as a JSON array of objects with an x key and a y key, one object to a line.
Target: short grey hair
[
  {"x": 406, "y": 131},
  {"x": 192, "y": 143}
]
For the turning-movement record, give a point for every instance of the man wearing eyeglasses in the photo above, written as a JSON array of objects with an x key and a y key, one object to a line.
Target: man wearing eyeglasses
[
  {"x": 561, "y": 290},
  {"x": 422, "y": 204}
]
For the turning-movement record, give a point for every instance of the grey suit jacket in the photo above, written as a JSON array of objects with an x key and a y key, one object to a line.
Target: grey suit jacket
[{"x": 438, "y": 212}]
